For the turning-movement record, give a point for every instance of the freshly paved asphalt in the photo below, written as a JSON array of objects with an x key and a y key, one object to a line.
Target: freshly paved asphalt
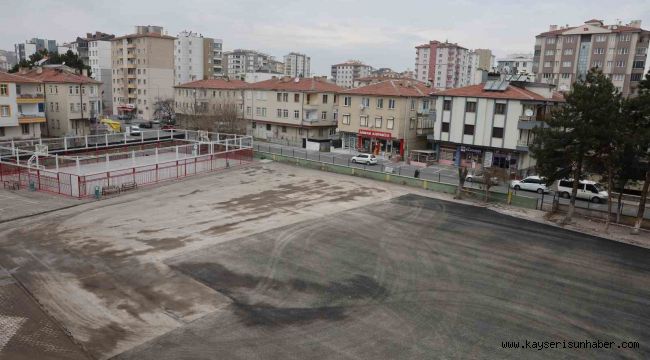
[{"x": 413, "y": 278}]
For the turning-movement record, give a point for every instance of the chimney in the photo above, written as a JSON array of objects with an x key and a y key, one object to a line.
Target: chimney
[
  {"x": 552, "y": 28},
  {"x": 84, "y": 72}
]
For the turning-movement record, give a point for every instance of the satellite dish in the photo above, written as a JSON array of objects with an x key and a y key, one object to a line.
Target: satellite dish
[{"x": 528, "y": 112}]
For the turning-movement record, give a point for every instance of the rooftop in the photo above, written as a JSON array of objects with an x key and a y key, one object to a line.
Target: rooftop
[
  {"x": 151, "y": 34},
  {"x": 393, "y": 87},
  {"x": 315, "y": 84},
  {"x": 213, "y": 84},
  {"x": 15, "y": 78},
  {"x": 634, "y": 26},
  {"x": 511, "y": 92},
  {"x": 58, "y": 74}
]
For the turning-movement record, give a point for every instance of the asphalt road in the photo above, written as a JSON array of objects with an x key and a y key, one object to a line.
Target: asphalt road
[
  {"x": 438, "y": 173},
  {"x": 413, "y": 278}
]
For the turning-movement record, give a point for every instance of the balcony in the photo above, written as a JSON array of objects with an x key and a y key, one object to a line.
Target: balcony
[
  {"x": 30, "y": 98},
  {"x": 530, "y": 122},
  {"x": 31, "y": 118},
  {"x": 522, "y": 145},
  {"x": 425, "y": 125}
]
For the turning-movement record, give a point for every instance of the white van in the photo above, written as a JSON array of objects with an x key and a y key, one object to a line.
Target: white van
[{"x": 587, "y": 190}]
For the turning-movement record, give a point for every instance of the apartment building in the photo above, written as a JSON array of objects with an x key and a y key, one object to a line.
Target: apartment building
[
  {"x": 443, "y": 65},
  {"x": 7, "y": 60},
  {"x": 26, "y": 49},
  {"x": 142, "y": 70},
  {"x": 202, "y": 102},
  {"x": 485, "y": 58},
  {"x": 390, "y": 117},
  {"x": 344, "y": 74},
  {"x": 565, "y": 54},
  {"x": 291, "y": 110},
  {"x": 516, "y": 64},
  {"x": 297, "y": 65},
  {"x": 196, "y": 57},
  {"x": 99, "y": 60},
  {"x": 239, "y": 62},
  {"x": 22, "y": 107},
  {"x": 490, "y": 124},
  {"x": 72, "y": 101}
]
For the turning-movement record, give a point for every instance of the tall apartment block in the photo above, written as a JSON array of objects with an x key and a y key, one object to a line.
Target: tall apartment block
[
  {"x": 30, "y": 47},
  {"x": 346, "y": 73},
  {"x": 142, "y": 70},
  {"x": 520, "y": 64},
  {"x": 297, "y": 65},
  {"x": 99, "y": 60},
  {"x": 443, "y": 65},
  {"x": 239, "y": 62},
  {"x": 196, "y": 57},
  {"x": 565, "y": 54}
]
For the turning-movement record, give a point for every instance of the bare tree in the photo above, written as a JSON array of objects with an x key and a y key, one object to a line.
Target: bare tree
[
  {"x": 164, "y": 110},
  {"x": 462, "y": 174},
  {"x": 491, "y": 177}
]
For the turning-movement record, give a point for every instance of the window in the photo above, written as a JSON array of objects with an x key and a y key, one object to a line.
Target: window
[
  {"x": 5, "y": 111},
  {"x": 365, "y": 102},
  {"x": 347, "y": 101},
  {"x": 249, "y": 110},
  {"x": 623, "y": 51},
  {"x": 296, "y": 97},
  {"x": 638, "y": 64},
  {"x": 268, "y": 127},
  {"x": 597, "y": 64},
  {"x": 258, "y": 111},
  {"x": 263, "y": 109},
  {"x": 285, "y": 113},
  {"x": 25, "y": 129},
  {"x": 468, "y": 129},
  {"x": 323, "y": 115},
  {"x": 363, "y": 121},
  {"x": 380, "y": 103},
  {"x": 598, "y": 51},
  {"x": 618, "y": 77},
  {"x": 636, "y": 77},
  {"x": 285, "y": 97},
  {"x": 566, "y": 75},
  {"x": 296, "y": 114},
  {"x": 566, "y": 63},
  {"x": 284, "y": 129},
  {"x": 601, "y": 38},
  {"x": 609, "y": 64},
  {"x": 71, "y": 107},
  {"x": 569, "y": 39},
  {"x": 254, "y": 125},
  {"x": 641, "y": 51},
  {"x": 470, "y": 106},
  {"x": 412, "y": 123},
  {"x": 549, "y": 52},
  {"x": 2, "y": 131},
  {"x": 346, "y": 119},
  {"x": 445, "y": 127},
  {"x": 497, "y": 132},
  {"x": 324, "y": 98},
  {"x": 547, "y": 64},
  {"x": 391, "y": 103},
  {"x": 425, "y": 104},
  {"x": 390, "y": 123},
  {"x": 550, "y": 40},
  {"x": 620, "y": 63},
  {"x": 500, "y": 109},
  {"x": 568, "y": 51},
  {"x": 279, "y": 97},
  {"x": 446, "y": 105},
  {"x": 4, "y": 89},
  {"x": 378, "y": 122},
  {"x": 625, "y": 37}
]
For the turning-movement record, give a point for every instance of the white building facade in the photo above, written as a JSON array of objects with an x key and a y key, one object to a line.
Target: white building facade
[
  {"x": 99, "y": 57},
  {"x": 477, "y": 127},
  {"x": 22, "y": 107},
  {"x": 346, "y": 73},
  {"x": 297, "y": 65},
  {"x": 516, "y": 64},
  {"x": 443, "y": 65}
]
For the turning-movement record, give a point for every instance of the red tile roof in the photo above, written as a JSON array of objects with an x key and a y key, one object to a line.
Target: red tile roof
[
  {"x": 214, "y": 84},
  {"x": 393, "y": 87},
  {"x": 59, "y": 76},
  {"x": 290, "y": 84},
  {"x": 15, "y": 78},
  {"x": 512, "y": 92}
]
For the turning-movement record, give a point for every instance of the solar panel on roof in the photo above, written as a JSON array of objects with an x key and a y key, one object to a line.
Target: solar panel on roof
[
  {"x": 503, "y": 85},
  {"x": 488, "y": 85}
]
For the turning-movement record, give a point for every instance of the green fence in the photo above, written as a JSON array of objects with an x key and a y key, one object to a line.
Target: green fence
[{"x": 521, "y": 201}]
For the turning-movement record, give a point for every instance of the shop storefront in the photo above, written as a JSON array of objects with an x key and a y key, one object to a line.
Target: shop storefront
[
  {"x": 476, "y": 157},
  {"x": 379, "y": 143}
]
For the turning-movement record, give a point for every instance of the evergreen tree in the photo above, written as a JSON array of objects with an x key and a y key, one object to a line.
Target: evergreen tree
[{"x": 575, "y": 131}]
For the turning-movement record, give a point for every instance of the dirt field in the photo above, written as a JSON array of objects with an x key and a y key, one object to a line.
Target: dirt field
[{"x": 278, "y": 262}]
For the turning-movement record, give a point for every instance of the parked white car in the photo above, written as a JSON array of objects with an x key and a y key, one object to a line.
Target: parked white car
[
  {"x": 587, "y": 190},
  {"x": 368, "y": 159},
  {"x": 134, "y": 130},
  {"x": 531, "y": 183},
  {"x": 480, "y": 178}
]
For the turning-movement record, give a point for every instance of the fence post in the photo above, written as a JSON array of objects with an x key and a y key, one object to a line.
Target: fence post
[
  {"x": 158, "y": 134},
  {"x": 58, "y": 182},
  {"x": 177, "y": 153},
  {"x": 125, "y": 138},
  {"x": 38, "y": 177},
  {"x": 86, "y": 140},
  {"x": 56, "y": 162},
  {"x": 134, "y": 175},
  {"x": 78, "y": 166},
  {"x": 65, "y": 143},
  {"x": 106, "y": 139}
]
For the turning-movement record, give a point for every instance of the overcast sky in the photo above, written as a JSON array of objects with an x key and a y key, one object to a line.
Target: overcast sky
[{"x": 381, "y": 33}]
